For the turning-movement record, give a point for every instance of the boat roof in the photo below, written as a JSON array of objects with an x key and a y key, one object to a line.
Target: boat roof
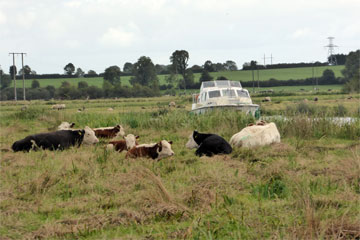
[{"x": 220, "y": 84}]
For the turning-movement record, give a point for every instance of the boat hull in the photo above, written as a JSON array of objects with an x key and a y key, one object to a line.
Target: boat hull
[{"x": 246, "y": 108}]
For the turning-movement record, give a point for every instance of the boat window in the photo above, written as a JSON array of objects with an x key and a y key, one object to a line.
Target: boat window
[
  {"x": 242, "y": 93},
  {"x": 235, "y": 84},
  {"x": 213, "y": 94},
  {"x": 228, "y": 93},
  {"x": 222, "y": 83},
  {"x": 208, "y": 84}
]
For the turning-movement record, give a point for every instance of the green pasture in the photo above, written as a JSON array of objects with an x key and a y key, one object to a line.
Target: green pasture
[
  {"x": 243, "y": 76},
  {"x": 306, "y": 187}
]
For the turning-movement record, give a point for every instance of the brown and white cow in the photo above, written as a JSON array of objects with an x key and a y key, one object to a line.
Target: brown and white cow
[
  {"x": 156, "y": 151},
  {"x": 109, "y": 132},
  {"x": 127, "y": 143}
]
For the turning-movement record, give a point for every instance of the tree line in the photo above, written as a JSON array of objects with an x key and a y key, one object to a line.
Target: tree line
[{"x": 145, "y": 83}]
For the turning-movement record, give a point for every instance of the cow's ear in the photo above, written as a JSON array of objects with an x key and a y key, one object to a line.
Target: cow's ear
[
  {"x": 72, "y": 125},
  {"x": 171, "y": 142},
  {"x": 137, "y": 137},
  {"x": 195, "y": 133},
  {"x": 82, "y": 132},
  {"x": 159, "y": 146}
]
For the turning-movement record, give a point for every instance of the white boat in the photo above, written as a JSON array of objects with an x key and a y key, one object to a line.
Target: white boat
[{"x": 223, "y": 94}]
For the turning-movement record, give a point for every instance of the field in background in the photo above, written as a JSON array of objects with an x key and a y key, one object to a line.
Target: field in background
[
  {"x": 243, "y": 76},
  {"x": 306, "y": 187}
]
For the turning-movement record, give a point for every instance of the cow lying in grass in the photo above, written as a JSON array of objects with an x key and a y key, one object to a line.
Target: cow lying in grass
[
  {"x": 260, "y": 134},
  {"x": 208, "y": 144},
  {"x": 156, "y": 151},
  {"x": 66, "y": 126},
  {"x": 58, "y": 140},
  {"x": 125, "y": 144},
  {"x": 109, "y": 132}
]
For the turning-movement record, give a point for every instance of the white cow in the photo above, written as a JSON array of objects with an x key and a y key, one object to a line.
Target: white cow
[
  {"x": 256, "y": 135},
  {"x": 58, "y": 106},
  {"x": 66, "y": 126}
]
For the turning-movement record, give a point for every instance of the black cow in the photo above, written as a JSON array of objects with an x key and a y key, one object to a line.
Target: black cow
[
  {"x": 208, "y": 144},
  {"x": 58, "y": 140}
]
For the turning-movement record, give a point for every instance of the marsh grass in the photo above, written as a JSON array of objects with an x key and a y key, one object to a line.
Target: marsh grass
[{"x": 305, "y": 187}]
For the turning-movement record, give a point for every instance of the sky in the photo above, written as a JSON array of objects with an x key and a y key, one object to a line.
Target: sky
[{"x": 96, "y": 34}]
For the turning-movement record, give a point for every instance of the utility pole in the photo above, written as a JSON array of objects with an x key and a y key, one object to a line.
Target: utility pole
[
  {"x": 14, "y": 74},
  {"x": 14, "y": 77},
  {"x": 23, "y": 74}
]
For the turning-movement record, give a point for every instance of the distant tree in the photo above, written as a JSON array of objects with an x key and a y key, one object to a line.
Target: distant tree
[
  {"x": 79, "y": 72},
  {"x": 51, "y": 90},
  {"x": 230, "y": 65},
  {"x": 4, "y": 79},
  {"x": 91, "y": 72},
  {"x": 112, "y": 75},
  {"x": 221, "y": 78},
  {"x": 12, "y": 71},
  {"x": 208, "y": 66},
  {"x": 128, "y": 68},
  {"x": 340, "y": 58},
  {"x": 179, "y": 60},
  {"x": 246, "y": 65},
  {"x": 144, "y": 73},
  {"x": 189, "y": 77},
  {"x": 352, "y": 65},
  {"x": 27, "y": 71},
  {"x": 351, "y": 72},
  {"x": 83, "y": 84},
  {"x": 33, "y": 72},
  {"x": 107, "y": 88},
  {"x": 65, "y": 84},
  {"x": 205, "y": 76},
  {"x": 69, "y": 69},
  {"x": 161, "y": 69},
  {"x": 219, "y": 67},
  {"x": 353, "y": 85},
  {"x": 328, "y": 77},
  {"x": 196, "y": 69},
  {"x": 35, "y": 84}
]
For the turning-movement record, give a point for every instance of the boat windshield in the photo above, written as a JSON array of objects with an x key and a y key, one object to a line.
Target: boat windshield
[
  {"x": 213, "y": 94},
  {"x": 208, "y": 84},
  {"x": 235, "y": 84},
  {"x": 222, "y": 84},
  {"x": 242, "y": 93},
  {"x": 228, "y": 93}
]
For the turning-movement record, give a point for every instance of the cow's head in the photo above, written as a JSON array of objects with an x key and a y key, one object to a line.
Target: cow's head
[
  {"x": 89, "y": 136},
  {"x": 65, "y": 126},
  {"x": 130, "y": 140},
  {"x": 120, "y": 131},
  {"x": 191, "y": 143},
  {"x": 164, "y": 149}
]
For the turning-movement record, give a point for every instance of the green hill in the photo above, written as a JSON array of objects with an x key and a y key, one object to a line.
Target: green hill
[{"x": 243, "y": 76}]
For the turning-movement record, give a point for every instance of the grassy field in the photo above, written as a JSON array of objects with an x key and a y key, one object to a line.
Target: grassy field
[
  {"x": 306, "y": 187},
  {"x": 243, "y": 76}
]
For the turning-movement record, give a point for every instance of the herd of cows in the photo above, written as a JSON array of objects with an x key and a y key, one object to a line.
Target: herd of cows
[{"x": 66, "y": 136}]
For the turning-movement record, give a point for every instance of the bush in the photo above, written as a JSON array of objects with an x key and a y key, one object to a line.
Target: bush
[{"x": 35, "y": 84}]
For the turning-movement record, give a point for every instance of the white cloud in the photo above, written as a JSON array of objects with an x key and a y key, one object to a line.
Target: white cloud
[
  {"x": 300, "y": 33},
  {"x": 3, "y": 18},
  {"x": 72, "y": 43},
  {"x": 117, "y": 37},
  {"x": 26, "y": 19},
  {"x": 73, "y": 4}
]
